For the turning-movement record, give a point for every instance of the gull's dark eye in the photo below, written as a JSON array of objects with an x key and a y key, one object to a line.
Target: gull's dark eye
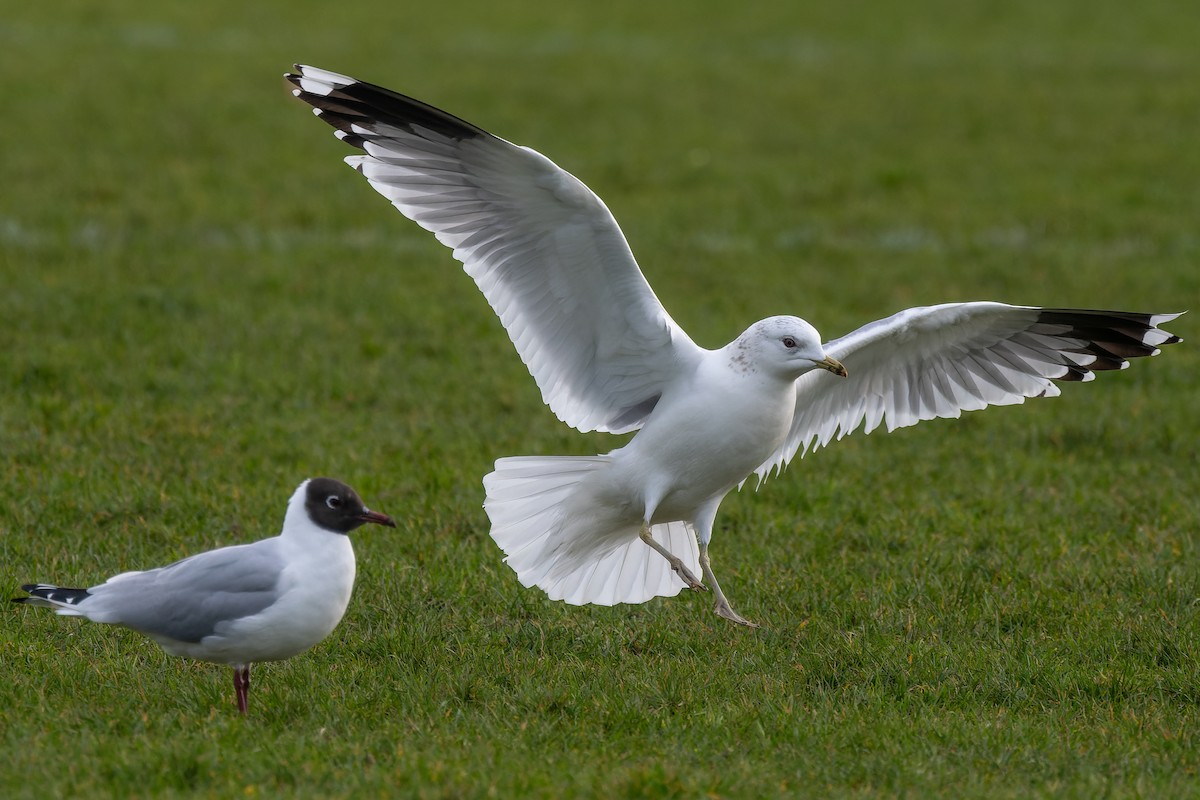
[
  {"x": 333, "y": 501},
  {"x": 789, "y": 342}
]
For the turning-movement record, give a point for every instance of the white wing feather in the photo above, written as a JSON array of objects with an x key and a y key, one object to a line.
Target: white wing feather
[
  {"x": 542, "y": 247},
  {"x": 939, "y": 361}
]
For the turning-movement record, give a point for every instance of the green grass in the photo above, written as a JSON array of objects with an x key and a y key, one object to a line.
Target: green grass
[{"x": 201, "y": 306}]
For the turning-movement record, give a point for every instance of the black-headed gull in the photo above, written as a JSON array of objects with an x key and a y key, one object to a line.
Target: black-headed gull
[
  {"x": 265, "y": 601},
  {"x": 554, "y": 265}
]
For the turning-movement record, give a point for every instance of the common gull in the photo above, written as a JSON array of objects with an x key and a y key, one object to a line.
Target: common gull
[{"x": 552, "y": 262}]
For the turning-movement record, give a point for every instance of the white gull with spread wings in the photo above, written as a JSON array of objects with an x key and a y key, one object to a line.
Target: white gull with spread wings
[{"x": 552, "y": 262}]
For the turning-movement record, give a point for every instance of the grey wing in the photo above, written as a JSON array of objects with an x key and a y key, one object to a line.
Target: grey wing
[
  {"x": 542, "y": 247},
  {"x": 185, "y": 601},
  {"x": 939, "y": 361}
]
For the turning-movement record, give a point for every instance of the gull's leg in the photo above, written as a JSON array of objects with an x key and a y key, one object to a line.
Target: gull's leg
[
  {"x": 241, "y": 685},
  {"x": 722, "y": 606},
  {"x": 676, "y": 564}
]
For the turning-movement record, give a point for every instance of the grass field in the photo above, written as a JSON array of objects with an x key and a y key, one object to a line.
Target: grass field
[{"x": 201, "y": 306}]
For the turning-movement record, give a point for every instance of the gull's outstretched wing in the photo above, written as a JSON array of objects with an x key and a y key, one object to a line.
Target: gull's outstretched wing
[
  {"x": 541, "y": 246},
  {"x": 939, "y": 361}
]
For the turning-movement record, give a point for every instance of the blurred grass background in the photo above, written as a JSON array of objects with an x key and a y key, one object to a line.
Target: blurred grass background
[{"x": 201, "y": 306}]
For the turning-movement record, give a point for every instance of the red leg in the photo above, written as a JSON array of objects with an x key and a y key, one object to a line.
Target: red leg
[{"x": 241, "y": 686}]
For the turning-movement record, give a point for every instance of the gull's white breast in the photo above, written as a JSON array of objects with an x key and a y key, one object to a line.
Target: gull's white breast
[
  {"x": 314, "y": 590},
  {"x": 706, "y": 436}
]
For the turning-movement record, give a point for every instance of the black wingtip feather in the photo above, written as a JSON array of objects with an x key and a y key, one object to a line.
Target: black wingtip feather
[
  {"x": 55, "y": 594},
  {"x": 1110, "y": 336},
  {"x": 353, "y": 139},
  {"x": 1074, "y": 374},
  {"x": 1107, "y": 362},
  {"x": 361, "y": 103}
]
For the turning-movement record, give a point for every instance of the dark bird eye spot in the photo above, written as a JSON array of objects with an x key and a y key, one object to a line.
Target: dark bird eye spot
[
  {"x": 333, "y": 501},
  {"x": 788, "y": 341}
]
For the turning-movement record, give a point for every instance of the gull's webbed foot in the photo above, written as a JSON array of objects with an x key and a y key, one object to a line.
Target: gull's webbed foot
[
  {"x": 722, "y": 606},
  {"x": 725, "y": 610},
  {"x": 686, "y": 574}
]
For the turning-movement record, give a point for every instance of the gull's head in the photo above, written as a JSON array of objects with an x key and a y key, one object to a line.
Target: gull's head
[
  {"x": 333, "y": 506},
  {"x": 787, "y": 346}
]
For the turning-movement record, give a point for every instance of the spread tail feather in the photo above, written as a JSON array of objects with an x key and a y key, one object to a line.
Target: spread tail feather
[{"x": 573, "y": 550}]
